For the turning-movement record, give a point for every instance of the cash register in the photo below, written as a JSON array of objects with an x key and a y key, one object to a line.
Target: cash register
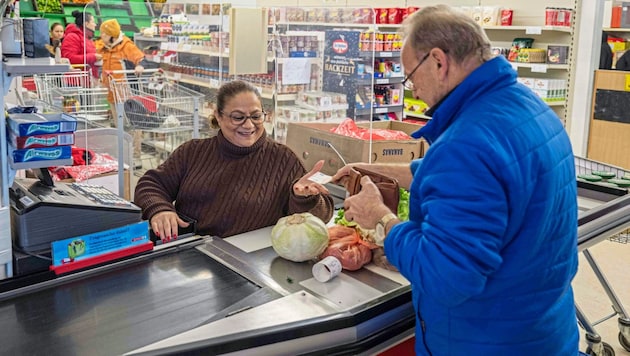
[{"x": 43, "y": 211}]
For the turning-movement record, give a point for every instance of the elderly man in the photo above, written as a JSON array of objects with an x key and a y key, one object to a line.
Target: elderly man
[{"x": 490, "y": 247}]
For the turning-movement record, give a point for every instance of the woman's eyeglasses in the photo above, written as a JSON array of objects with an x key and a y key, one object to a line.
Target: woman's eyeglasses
[
  {"x": 239, "y": 118},
  {"x": 407, "y": 82}
]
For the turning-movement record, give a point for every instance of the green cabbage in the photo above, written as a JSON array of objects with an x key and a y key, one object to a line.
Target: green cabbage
[{"x": 299, "y": 237}]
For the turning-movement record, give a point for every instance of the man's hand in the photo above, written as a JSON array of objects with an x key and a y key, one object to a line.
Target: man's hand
[{"x": 365, "y": 208}]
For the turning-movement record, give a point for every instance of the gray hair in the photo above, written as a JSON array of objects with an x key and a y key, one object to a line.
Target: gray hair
[{"x": 449, "y": 29}]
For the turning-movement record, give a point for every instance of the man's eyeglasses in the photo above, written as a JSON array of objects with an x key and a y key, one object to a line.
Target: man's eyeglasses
[
  {"x": 407, "y": 82},
  {"x": 239, "y": 118}
]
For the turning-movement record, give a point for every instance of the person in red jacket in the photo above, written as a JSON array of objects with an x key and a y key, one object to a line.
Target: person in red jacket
[{"x": 77, "y": 44}]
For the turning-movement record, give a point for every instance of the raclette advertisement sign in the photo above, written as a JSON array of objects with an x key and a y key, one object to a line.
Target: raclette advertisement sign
[
  {"x": 341, "y": 59},
  {"x": 88, "y": 246}
]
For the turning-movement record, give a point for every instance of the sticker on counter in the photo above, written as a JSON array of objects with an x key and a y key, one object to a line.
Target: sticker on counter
[{"x": 74, "y": 249}]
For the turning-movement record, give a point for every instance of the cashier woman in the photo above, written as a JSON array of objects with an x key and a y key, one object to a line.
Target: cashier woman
[{"x": 238, "y": 181}]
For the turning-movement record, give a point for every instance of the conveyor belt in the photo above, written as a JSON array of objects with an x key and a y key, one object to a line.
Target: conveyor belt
[{"x": 121, "y": 309}]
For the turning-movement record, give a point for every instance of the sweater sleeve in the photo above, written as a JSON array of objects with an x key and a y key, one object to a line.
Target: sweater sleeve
[{"x": 157, "y": 189}]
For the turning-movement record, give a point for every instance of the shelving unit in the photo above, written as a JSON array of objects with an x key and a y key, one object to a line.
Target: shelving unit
[
  {"x": 502, "y": 36},
  {"x": 16, "y": 67}
]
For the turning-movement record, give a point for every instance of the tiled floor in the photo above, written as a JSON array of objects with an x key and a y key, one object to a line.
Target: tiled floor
[{"x": 613, "y": 259}]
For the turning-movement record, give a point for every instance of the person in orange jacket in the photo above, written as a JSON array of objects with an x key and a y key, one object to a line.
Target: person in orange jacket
[{"x": 119, "y": 53}]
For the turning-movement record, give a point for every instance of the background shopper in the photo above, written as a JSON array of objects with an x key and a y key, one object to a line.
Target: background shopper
[
  {"x": 238, "y": 181},
  {"x": 56, "y": 36},
  {"x": 491, "y": 245},
  {"x": 77, "y": 45}
]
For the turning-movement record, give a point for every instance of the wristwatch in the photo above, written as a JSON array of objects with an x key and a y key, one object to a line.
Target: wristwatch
[{"x": 380, "y": 228}]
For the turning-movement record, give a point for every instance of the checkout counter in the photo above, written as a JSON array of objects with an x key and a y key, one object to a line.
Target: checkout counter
[{"x": 221, "y": 296}]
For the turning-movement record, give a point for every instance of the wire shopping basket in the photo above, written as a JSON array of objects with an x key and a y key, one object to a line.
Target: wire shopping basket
[
  {"x": 75, "y": 92},
  {"x": 151, "y": 102}
]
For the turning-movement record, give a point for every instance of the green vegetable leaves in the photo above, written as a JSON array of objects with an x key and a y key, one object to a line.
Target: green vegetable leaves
[
  {"x": 403, "y": 211},
  {"x": 403, "y": 205}
]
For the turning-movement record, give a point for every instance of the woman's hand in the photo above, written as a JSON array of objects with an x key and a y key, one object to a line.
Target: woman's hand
[
  {"x": 306, "y": 187},
  {"x": 138, "y": 70},
  {"x": 164, "y": 225}
]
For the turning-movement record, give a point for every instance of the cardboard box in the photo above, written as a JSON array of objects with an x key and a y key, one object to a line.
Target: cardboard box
[{"x": 311, "y": 142}]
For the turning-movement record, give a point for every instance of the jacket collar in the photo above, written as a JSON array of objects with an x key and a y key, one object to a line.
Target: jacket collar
[
  {"x": 116, "y": 42},
  {"x": 497, "y": 71}
]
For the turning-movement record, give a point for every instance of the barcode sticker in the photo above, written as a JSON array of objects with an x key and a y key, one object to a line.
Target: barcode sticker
[
  {"x": 320, "y": 178},
  {"x": 66, "y": 139}
]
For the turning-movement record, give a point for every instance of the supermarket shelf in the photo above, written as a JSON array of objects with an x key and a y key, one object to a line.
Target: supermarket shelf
[
  {"x": 379, "y": 110},
  {"x": 390, "y": 80},
  {"x": 556, "y": 103},
  {"x": 214, "y": 84},
  {"x": 344, "y": 25},
  {"x": 28, "y": 66},
  {"x": 380, "y": 54},
  {"x": 39, "y": 164},
  {"x": 540, "y": 67},
  {"x": 415, "y": 115},
  {"x": 615, "y": 29},
  {"x": 149, "y": 39},
  {"x": 530, "y": 30}
]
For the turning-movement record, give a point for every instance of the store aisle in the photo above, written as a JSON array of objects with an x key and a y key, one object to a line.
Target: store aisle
[{"x": 613, "y": 259}]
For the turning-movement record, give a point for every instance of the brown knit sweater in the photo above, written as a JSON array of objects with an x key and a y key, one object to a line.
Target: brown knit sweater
[{"x": 229, "y": 189}]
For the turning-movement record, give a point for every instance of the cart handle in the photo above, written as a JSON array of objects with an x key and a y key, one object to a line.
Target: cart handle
[{"x": 131, "y": 71}]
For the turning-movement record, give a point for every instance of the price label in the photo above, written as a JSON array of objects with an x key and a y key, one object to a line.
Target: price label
[
  {"x": 164, "y": 46},
  {"x": 539, "y": 68},
  {"x": 173, "y": 46},
  {"x": 627, "y": 87},
  {"x": 386, "y": 54},
  {"x": 187, "y": 47},
  {"x": 382, "y": 81},
  {"x": 514, "y": 66},
  {"x": 214, "y": 83},
  {"x": 533, "y": 30},
  {"x": 177, "y": 76},
  {"x": 380, "y": 110}
]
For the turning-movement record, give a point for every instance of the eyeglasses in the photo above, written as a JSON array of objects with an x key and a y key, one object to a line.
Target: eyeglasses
[
  {"x": 238, "y": 118},
  {"x": 407, "y": 82}
]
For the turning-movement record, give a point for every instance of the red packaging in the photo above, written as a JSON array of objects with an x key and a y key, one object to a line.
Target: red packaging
[
  {"x": 550, "y": 16},
  {"x": 506, "y": 17},
  {"x": 568, "y": 15},
  {"x": 405, "y": 14},
  {"x": 382, "y": 16},
  {"x": 394, "y": 15}
]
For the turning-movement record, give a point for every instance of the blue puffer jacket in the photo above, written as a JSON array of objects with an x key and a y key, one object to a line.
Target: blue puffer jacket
[{"x": 491, "y": 245}]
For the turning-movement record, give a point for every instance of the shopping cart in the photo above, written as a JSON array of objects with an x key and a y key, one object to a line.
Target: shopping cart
[
  {"x": 595, "y": 345},
  {"x": 165, "y": 112},
  {"x": 75, "y": 92}
]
